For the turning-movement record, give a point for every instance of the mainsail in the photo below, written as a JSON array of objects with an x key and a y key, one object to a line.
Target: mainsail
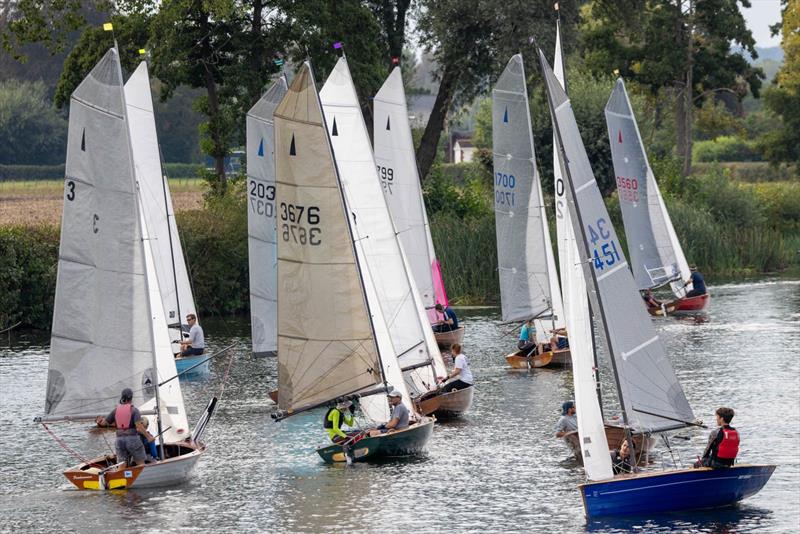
[
  {"x": 528, "y": 279},
  {"x": 396, "y": 295},
  {"x": 327, "y": 345},
  {"x": 156, "y": 204},
  {"x": 102, "y": 336},
  {"x": 651, "y": 397},
  {"x": 261, "y": 219},
  {"x": 591, "y": 430},
  {"x": 656, "y": 254}
]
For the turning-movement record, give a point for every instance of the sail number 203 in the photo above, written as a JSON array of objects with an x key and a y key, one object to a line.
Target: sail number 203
[
  {"x": 606, "y": 251},
  {"x": 301, "y": 224}
]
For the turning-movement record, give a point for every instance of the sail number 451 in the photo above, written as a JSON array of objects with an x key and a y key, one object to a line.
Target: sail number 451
[
  {"x": 301, "y": 224},
  {"x": 606, "y": 252}
]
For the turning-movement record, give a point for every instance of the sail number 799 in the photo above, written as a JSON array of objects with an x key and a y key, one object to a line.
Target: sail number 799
[
  {"x": 605, "y": 250},
  {"x": 301, "y": 224}
]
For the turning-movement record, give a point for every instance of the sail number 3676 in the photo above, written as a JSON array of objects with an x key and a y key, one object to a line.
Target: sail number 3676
[
  {"x": 606, "y": 251},
  {"x": 301, "y": 224}
]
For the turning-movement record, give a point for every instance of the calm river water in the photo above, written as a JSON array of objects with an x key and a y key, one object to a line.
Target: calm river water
[{"x": 499, "y": 469}]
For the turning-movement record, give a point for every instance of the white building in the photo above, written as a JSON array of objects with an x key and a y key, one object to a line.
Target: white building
[{"x": 463, "y": 151}]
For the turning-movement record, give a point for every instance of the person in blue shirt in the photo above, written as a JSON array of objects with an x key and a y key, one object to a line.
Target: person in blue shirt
[
  {"x": 698, "y": 283},
  {"x": 450, "y": 321},
  {"x": 527, "y": 336}
]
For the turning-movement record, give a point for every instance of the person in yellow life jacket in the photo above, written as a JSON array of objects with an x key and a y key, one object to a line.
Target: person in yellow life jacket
[
  {"x": 341, "y": 414},
  {"x": 723, "y": 443}
]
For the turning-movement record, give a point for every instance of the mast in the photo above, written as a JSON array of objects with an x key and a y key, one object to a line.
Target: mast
[{"x": 171, "y": 248}]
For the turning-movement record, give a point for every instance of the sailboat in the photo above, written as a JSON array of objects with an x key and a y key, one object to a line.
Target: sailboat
[
  {"x": 650, "y": 394},
  {"x": 397, "y": 169},
  {"x": 109, "y": 329},
  {"x": 657, "y": 258},
  {"x": 529, "y": 285},
  {"x": 333, "y": 338},
  {"x": 156, "y": 205},
  {"x": 261, "y": 229},
  {"x": 405, "y": 260}
]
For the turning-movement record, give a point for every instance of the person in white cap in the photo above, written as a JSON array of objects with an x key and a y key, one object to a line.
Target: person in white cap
[{"x": 399, "y": 418}]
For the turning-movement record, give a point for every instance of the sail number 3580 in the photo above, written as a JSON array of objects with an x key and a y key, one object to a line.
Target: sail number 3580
[
  {"x": 301, "y": 224},
  {"x": 606, "y": 252}
]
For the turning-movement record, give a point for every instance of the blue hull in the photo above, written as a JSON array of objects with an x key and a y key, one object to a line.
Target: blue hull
[
  {"x": 671, "y": 491},
  {"x": 185, "y": 362}
]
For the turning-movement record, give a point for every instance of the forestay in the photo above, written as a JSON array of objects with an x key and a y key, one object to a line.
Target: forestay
[
  {"x": 520, "y": 226},
  {"x": 261, "y": 219},
  {"x": 326, "y": 345},
  {"x": 650, "y": 394},
  {"x": 376, "y": 239},
  {"x": 656, "y": 254},
  {"x": 591, "y": 431},
  {"x": 102, "y": 339},
  {"x": 156, "y": 202}
]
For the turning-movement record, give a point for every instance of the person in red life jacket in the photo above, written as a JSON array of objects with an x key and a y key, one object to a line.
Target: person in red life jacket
[
  {"x": 723, "y": 443},
  {"x": 125, "y": 417}
]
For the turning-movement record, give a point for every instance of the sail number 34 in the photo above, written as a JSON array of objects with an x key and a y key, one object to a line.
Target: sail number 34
[
  {"x": 606, "y": 252},
  {"x": 301, "y": 224}
]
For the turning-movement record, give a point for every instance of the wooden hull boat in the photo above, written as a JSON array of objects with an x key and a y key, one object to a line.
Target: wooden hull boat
[
  {"x": 446, "y": 405},
  {"x": 104, "y": 473},
  {"x": 410, "y": 441},
  {"x": 669, "y": 491},
  {"x": 182, "y": 363},
  {"x": 446, "y": 339},
  {"x": 274, "y": 396},
  {"x": 561, "y": 358},
  {"x": 520, "y": 360},
  {"x": 614, "y": 436},
  {"x": 681, "y": 306}
]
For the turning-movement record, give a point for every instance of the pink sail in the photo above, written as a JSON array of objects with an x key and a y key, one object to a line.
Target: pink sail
[{"x": 440, "y": 295}]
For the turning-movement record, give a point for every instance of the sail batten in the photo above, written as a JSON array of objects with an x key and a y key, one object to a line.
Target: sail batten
[
  {"x": 645, "y": 376},
  {"x": 262, "y": 217}
]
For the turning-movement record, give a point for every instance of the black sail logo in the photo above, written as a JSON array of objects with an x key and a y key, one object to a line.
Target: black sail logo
[{"x": 292, "y": 150}]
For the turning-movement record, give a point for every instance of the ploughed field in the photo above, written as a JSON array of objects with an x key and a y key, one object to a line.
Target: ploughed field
[{"x": 35, "y": 203}]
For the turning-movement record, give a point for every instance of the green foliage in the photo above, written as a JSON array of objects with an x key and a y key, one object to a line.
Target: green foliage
[
  {"x": 32, "y": 131},
  {"x": 31, "y": 172},
  {"x": 471, "y": 198},
  {"x": 714, "y": 119},
  {"x": 28, "y": 265},
  {"x": 782, "y": 143},
  {"x": 750, "y": 171},
  {"x": 725, "y": 148},
  {"x": 780, "y": 203}
]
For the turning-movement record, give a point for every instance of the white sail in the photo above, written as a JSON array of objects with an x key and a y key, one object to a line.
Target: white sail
[
  {"x": 397, "y": 169},
  {"x": 377, "y": 239},
  {"x": 327, "y": 346},
  {"x": 652, "y": 399},
  {"x": 102, "y": 335},
  {"x": 656, "y": 254},
  {"x": 520, "y": 221},
  {"x": 261, "y": 219},
  {"x": 591, "y": 430},
  {"x": 156, "y": 203}
]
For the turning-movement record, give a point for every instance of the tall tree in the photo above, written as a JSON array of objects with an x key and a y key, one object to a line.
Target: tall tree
[{"x": 681, "y": 47}]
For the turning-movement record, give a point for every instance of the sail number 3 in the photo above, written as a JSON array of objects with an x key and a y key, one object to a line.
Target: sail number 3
[
  {"x": 262, "y": 198},
  {"x": 606, "y": 252},
  {"x": 502, "y": 184},
  {"x": 301, "y": 224}
]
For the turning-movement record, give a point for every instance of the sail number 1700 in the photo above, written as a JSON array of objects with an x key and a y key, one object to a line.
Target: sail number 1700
[
  {"x": 606, "y": 251},
  {"x": 301, "y": 224}
]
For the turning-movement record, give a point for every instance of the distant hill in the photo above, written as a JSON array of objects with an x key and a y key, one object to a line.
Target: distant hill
[{"x": 772, "y": 53}]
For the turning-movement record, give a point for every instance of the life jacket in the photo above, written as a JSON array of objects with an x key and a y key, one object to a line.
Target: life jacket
[
  {"x": 123, "y": 415},
  {"x": 729, "y": 446},
  {"x": 327, "y": 423}
]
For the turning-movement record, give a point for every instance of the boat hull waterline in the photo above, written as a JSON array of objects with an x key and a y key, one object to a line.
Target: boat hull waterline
[
  {"x": 446, "y": 339},
  {"x": 519, "y": 360},
  {"x": 182, "y": 363},
  {"x": 447, "y": 405},
  {"x": 671, "y": 491},
  {"x": 410, "y": 441},
  {"x": 172, "y": 471},
  {"x": 684, "y": 306}
]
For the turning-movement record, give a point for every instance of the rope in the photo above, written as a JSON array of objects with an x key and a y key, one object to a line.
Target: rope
[
  {"x": 225, "y": 376},
  {"x": 13, "y": 326},
  {"x": 67, "y": 448}
]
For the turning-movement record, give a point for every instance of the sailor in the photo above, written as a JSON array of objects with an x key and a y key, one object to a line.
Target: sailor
[
  {"x": 698, "y": 283},
  {"x": 341, "y": 414},
  {"x": 148, "y": 440},
  {"x": 125, "y": 416},
  {"x": 723, "y": 442},
  {"x": 568, "y": 422},
  {"x": 559, "y": 341},
  {"x": 461, "y": 371},
  {"x": 621, "y": 459},
  {"x": 450, "y": 321},
  {"x": 399, "y": 417},
  {"x": 650, "y": 300},
  {"x": 527, "y": 337},
  {"x": 195, "y": 344}
]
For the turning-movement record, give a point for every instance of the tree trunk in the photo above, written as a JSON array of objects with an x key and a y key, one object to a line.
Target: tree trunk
[
  {"x": 426, "y": 152},
  {"x": 219, "y": 149}
]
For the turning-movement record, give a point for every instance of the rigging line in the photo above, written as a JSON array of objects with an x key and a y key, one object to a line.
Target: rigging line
[
  {"x": 67, "y": 448},
  {"x": 353, "y": 351}
]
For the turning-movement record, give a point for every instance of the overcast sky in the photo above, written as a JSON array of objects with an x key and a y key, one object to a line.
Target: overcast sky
[{"x": 760, "y": 17}]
